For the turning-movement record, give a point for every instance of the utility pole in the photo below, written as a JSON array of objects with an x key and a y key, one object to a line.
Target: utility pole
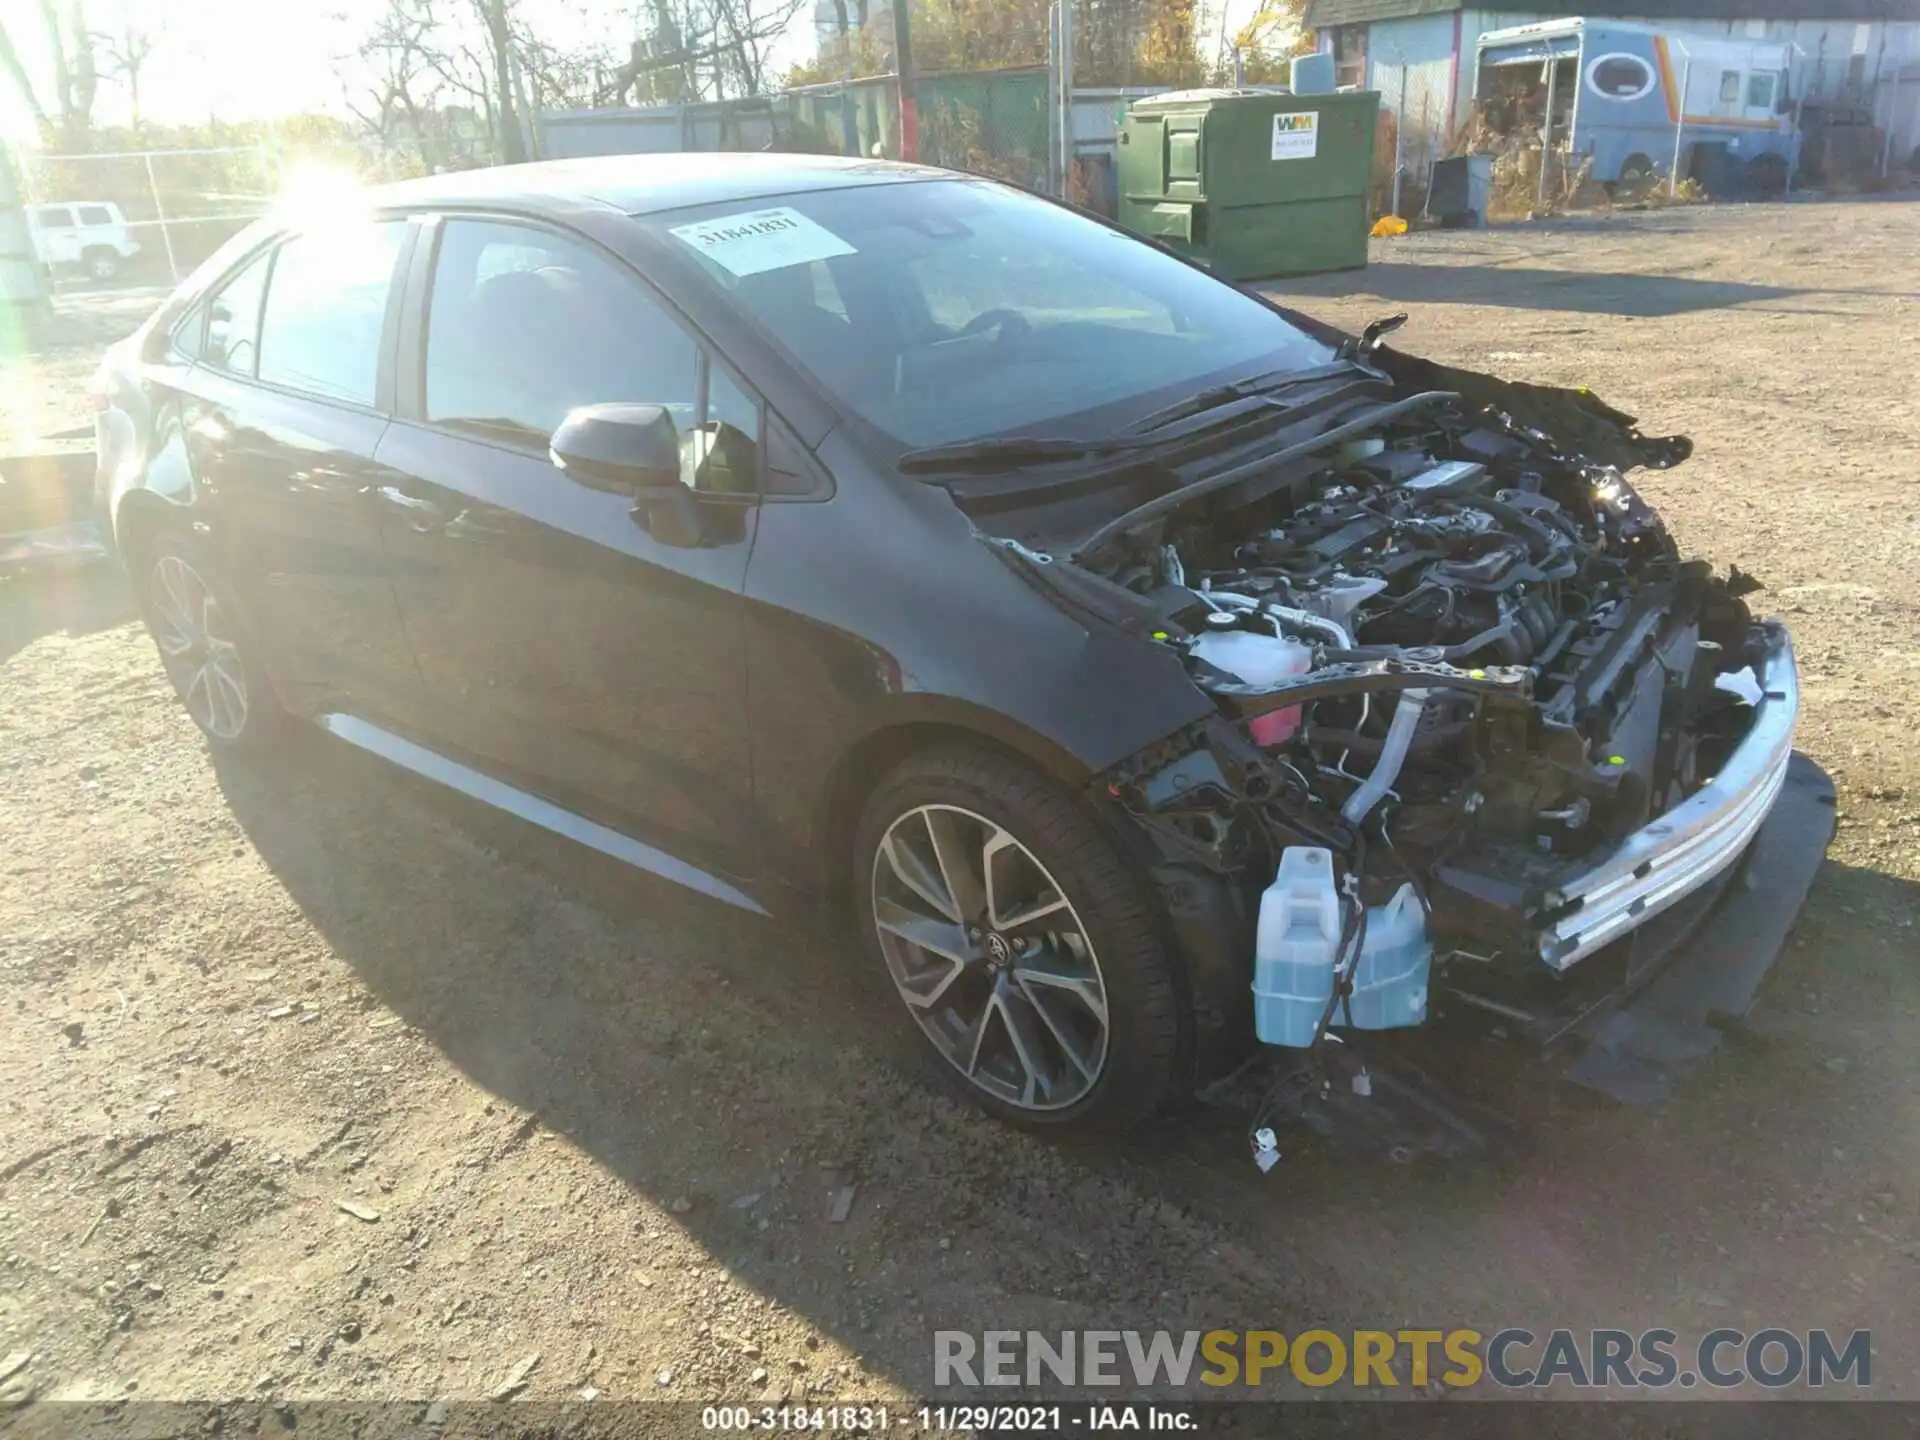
[
  {"x": 849, "y": 127},
  {"x": 1546, "y": 127},
  {"x": 1066, "y": 99},
  {"x": 1399, "y": 133},
  {"x": 23, "y": 287},
  {"x": 903, "y": 81},
  {"x": 1680, "y": 125}
]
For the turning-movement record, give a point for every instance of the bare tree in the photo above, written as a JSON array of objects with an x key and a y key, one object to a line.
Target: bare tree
[
  {"x": 16, "y": 74},
  {"x": 76, "y": 79},
  {"x": 499, "y": 58},
  {"x": 499, "y": 33},
  {"x": 125, "y": 53},
  {"x": 709, "y": 47},
  {"x": 419, "y": 76},
  {"x": 399, "y": 104},
  {"x": 68, "y": 122}
]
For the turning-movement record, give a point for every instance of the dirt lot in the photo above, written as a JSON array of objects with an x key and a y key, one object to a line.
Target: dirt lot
[{"x": 317, "y": 1083}]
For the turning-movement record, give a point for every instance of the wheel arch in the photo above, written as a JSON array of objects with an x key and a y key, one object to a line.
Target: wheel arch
[
  {"x": 137, "y": 519},
  {"x": 1203, "y": 918},
  {"x": 858, "y": 771}
]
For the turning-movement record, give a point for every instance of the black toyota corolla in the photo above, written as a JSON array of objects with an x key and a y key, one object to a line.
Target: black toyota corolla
[{"x": 1142, "y": 667}]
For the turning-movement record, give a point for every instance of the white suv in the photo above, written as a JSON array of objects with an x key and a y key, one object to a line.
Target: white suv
[{"x": 90, "y": 234}]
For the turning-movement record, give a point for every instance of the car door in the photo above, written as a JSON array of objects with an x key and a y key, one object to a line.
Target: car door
[
  {"x": 59, "y": 241},
  {"x": 281, "y": 419},
  {"x": 562, "y": 646},
  {"x": 102, "y": 225}
]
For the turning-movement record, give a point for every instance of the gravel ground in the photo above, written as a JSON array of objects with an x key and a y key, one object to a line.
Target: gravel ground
[{"x": 318, "y": 1083}]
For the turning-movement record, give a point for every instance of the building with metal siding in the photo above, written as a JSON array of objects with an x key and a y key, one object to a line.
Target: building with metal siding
[{"x": 1864, "y": 53}]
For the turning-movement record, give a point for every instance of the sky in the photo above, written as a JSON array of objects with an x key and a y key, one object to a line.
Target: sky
[
  {"x": 227, "y": 57},
  {"x": 254, "y": 59}
]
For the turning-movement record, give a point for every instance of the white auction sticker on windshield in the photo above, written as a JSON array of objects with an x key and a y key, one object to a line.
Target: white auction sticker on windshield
[{"x": 762, "y": 240}]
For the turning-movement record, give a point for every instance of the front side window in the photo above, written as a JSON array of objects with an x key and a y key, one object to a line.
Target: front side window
[
  {"x": 233, "y": 319},
  {"x": 95, "y": 215},
  {"x": 945, "y": 311},
  {"x": 326, "y": 307},
  {"x": 1760, "y": 88},
  {"x": 1729, "y": 87},
  {"x": 525, "y": 324}
]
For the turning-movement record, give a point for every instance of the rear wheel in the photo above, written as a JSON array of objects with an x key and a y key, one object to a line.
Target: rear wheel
[
  {"x": 1767, "y": 176},
  {"x": 1637, "y": 177},
  {"x": 197, "y": 627},
  {"x": 1023, "y": 950}
]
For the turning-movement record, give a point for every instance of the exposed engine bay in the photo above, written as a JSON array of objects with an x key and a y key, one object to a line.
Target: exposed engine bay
[
  {"x": 1479, "y": 733},
  {"x": 1589, "y": 653},
  {"x": 1455, "y": 663}
]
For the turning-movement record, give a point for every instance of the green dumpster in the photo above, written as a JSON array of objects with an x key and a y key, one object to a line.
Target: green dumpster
[{"x": 1251, "y": 183}]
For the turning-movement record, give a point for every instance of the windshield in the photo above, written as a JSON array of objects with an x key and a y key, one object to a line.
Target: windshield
[{"x": 952, "y": 310}]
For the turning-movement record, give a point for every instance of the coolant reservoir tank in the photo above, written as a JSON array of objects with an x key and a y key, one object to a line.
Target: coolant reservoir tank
[
  {"x": 1252, "y": 657},
  {"x": 1258, "y": 660}
]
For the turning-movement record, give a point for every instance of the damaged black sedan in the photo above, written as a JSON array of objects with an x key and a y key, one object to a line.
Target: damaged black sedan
[{"x": 1150, "y": 673}]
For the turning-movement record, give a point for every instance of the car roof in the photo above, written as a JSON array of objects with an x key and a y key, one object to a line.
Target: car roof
[{"x": 642, "y": 184}]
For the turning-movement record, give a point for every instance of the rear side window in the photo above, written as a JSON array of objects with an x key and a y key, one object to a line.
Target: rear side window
[
  {"x": 326, "y": 307},
  {"x": 55, "y": 217},
  {"x": 95, "y": 215},
  {"x": 233, "y": 320}
]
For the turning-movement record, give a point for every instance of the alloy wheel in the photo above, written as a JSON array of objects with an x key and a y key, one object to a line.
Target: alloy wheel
[
  {"x": 198, "y": 649},
  {"x": 990, "y": 957}
]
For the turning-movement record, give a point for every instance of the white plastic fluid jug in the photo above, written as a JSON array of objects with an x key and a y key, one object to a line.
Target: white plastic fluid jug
[
  {"x": 1390, "y": 982},
  {"x": 1298, "y": 944},
  {"x": 1259, "y": 660},
  {"x": 1255, "y": 658},
  {"x": 1295, "y": 947}
]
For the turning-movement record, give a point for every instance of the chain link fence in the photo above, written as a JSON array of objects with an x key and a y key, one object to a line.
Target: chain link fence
[{"x": 150, "y": 216}]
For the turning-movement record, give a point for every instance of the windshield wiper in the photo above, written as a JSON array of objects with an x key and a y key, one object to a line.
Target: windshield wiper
[
  {"x": 1002, "y": 451},
  {"x": 1005, "y": 450},
  {"x": 1270, "y": 383}
]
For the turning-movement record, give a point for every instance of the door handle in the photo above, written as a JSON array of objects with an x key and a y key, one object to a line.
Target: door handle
[{"x": 423, "y": 515}]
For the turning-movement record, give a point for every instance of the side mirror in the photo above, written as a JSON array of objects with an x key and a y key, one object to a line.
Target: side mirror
[
  {"x": 619, "y": 448},
  {"x": 633, "y": 450}
]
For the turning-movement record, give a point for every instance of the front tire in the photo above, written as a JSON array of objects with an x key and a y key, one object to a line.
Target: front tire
[
  {"x": 205, "y": 647},
  {"x": 101, "y": 265},
  {"x": 1025, "y": 953}
]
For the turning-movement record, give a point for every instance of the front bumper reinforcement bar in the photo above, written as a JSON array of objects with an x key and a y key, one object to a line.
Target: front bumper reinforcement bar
[{"x": 1669, "y": 858}]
